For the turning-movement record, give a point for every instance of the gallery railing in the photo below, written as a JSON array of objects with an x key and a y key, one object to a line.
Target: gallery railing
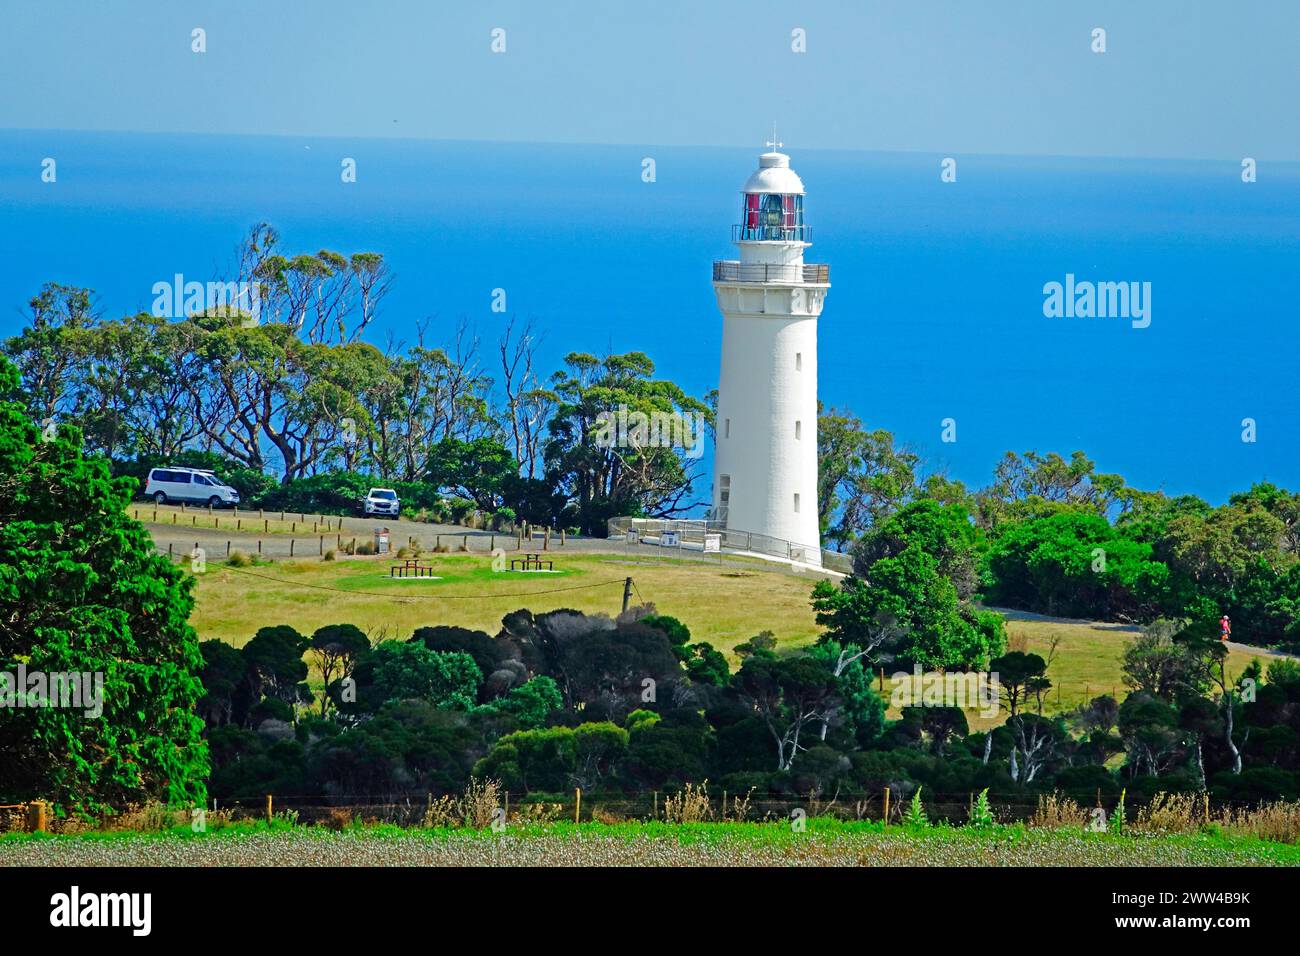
[{"x": 730, "y": 270}]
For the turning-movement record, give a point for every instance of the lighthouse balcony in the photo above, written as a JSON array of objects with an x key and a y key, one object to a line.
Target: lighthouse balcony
[{"x": 730, "y": 270}]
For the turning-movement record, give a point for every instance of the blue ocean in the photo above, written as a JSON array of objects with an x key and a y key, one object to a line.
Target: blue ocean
[{"x": 935, "y": 311}]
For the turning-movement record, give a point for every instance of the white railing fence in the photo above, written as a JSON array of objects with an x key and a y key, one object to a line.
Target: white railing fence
[{"x": 698, "y": 534}]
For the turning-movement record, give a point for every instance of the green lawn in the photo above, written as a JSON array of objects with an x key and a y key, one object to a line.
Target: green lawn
[{"x": 724, "y": 606}]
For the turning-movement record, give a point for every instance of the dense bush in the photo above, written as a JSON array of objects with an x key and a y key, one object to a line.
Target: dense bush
[
  {"x": 1075, "y": 564},
  {"x": 556, "y": 701}
]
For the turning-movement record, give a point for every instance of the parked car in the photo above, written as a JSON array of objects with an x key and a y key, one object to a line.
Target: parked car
[
  {"x": 189, "y": 484},
  {"x": 381, "y": 501}
]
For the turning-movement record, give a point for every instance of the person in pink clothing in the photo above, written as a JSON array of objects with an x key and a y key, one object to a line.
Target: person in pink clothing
[{"x": 1225, "y": 628}]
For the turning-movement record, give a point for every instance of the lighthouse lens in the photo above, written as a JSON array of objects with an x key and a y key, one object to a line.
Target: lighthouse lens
[{"x": 772, "y": 211}]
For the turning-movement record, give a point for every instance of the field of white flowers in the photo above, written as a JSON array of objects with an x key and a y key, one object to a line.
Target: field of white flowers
[{"x": 823, "y": 843}]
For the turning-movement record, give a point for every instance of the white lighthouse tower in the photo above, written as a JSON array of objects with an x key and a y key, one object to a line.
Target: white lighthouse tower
[{"x": 765, "y": 467}]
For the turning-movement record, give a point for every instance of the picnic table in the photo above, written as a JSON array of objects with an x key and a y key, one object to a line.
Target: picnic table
[
  {"x": 531, "y": 561},
  {"x": 411, "y": 567}
]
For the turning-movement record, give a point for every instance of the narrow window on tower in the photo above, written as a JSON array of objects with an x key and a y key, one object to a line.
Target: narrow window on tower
[
  {"x": 726, "y": 428},
  {"x": 796, "y": 502},
  {"x": 798, "y": 431},
  {"x": 798, "y": 361}
]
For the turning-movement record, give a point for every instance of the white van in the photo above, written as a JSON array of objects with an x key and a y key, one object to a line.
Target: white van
[{"x": 190, "y": 485}]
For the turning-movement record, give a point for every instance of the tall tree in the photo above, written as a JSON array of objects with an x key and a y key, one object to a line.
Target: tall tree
[
  {"x": 43, "y": 352},
  {"x": 606, "y": 474},
  {"x": 862, "y": 476},
  {"x": 83, "y": 591}
]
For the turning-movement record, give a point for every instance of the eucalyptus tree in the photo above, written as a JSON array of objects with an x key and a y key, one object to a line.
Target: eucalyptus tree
[
  {"x": 42, "y": 351},
  {"x": 863, "y": 476},
  {"x": 608, "y": 467}
]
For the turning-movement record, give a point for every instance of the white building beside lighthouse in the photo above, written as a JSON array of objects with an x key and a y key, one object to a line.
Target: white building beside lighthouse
[{"x": 765, "y": 466}]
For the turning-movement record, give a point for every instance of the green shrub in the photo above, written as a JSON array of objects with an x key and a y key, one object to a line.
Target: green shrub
[{"x": 332, "y": 492}]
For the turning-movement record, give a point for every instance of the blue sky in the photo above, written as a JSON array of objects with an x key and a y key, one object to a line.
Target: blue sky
[{"x": 1193, "y": 80}]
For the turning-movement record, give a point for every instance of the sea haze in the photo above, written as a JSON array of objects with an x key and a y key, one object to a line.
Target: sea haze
[{"x": 935, "y": 310}]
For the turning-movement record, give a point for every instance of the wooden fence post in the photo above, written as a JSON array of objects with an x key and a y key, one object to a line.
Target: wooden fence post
[
  {"x": 269, "y": 811},
  {"x": 886, "y": 806},
  {"x": 577, "y": 806},
  {"x": 36, "y": 816}
]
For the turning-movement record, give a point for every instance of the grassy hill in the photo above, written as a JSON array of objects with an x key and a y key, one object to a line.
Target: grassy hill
[{"x": 722, "y": 605}]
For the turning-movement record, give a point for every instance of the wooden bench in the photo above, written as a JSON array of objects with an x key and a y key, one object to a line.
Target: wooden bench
[
  {"x": 531, "y": 561},
  {"x": 411, "y": 567}
]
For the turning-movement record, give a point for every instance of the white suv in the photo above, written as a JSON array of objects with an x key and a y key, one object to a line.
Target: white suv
[
  {"x": 188, "y": 484},
  {"x": 381, "y": 501}
]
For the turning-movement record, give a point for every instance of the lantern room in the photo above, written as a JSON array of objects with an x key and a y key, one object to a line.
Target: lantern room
[{"x": 772, "y": 203}]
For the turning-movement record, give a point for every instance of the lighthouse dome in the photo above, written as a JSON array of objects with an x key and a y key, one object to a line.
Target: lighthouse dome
[{"x": 774, "y": 175}]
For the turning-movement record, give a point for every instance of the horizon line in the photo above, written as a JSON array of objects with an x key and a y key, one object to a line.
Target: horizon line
[{"x": 642, "y": 144}]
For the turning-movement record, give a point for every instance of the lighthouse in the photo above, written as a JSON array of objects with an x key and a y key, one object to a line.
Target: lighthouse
[{"x": 765, "y": 465}]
